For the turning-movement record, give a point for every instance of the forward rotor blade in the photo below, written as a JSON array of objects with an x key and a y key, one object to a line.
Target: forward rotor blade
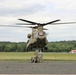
[
  {"x": 64, "y": 23},
  {"x": 51, "y": 22},
  {"x": 28, "y": 21}
]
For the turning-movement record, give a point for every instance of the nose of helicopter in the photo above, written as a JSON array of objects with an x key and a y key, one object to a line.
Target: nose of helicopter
[{"x": 41, "y": 33}]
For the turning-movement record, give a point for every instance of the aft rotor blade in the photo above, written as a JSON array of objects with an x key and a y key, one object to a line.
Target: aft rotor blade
[
  {"x": 29, "y": 27},
  {"x": 64, "y": 23},
  {"x": 22, "y": 24},
  {"x": 28, "y": 21},
  {"x": 11, "y": 26},
  {"x": 18, "y": 26},
  {"x": 35, "y": 27},
  {"x": 51, "y": 22},
  {"x": 45, "y": 29}
]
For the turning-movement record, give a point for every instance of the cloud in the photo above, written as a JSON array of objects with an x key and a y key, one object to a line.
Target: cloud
[
  {"x": 41, "y": 11},
  {"x": 17, "y": 6},
  {"x": 64, "y": 4}
]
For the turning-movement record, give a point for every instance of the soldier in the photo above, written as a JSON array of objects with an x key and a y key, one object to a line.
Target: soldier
[
  {"x": 41, "y": 56},
  {"x": 36, "y": 53},
  {"x": 32, "y": 59},
  {"x": 37, "y": 56},
  {"x": 36, "y": 59}
]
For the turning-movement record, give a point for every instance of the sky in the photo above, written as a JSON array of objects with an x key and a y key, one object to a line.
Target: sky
[{"x": 41, "y": 11}]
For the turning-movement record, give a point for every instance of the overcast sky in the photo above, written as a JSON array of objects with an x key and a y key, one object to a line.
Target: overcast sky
[{"x": 39, "y": 11}]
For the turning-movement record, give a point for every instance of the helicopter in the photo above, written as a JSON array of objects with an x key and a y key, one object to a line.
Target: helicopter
[{"x": 38, "y": 38}]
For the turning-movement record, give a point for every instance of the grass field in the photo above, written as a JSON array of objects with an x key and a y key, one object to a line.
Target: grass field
[{"x": 25, "y": 56}]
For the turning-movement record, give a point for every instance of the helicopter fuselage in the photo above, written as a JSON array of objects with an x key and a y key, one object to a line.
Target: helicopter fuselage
[{"x": 37, "y": 40}]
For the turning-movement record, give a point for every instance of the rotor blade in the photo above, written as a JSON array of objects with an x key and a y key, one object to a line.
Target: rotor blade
[
  {"x": 35, "y": 27},
  {"x": 51, "y": 22},
  {"x": 45, "y": 29},
  {"x": 11, "y": 26},
  {"x": 19, "y": 26},
  {"x": 28, "y": 21},
  {"x": 22, "y": 24},
  {"x": 28, "y": 27},
  {"x": 64, "y": 23}
]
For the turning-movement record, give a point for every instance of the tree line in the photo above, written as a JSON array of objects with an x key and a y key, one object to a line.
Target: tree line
[
  {"x": 61, "y": 46},
  {"x": 12, "y": 47},
  {"x": 58, "y": 46}
]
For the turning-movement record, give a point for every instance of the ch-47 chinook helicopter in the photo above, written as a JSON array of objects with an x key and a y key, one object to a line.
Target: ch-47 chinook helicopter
[{"x": 37, "y": 39}]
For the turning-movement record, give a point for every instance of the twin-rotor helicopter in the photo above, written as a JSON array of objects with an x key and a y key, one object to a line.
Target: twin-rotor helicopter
[{"x": 38, "y": 37}]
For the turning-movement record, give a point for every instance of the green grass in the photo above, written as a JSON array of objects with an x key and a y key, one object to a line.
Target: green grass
[
  {"x": 59, "y": 56},
  {"x": 25, "y": 56}
]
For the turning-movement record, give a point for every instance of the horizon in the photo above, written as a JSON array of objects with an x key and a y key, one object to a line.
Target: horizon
[{"x": 48, "y": 41}]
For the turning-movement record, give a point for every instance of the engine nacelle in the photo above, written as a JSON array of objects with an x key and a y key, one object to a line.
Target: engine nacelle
[{"x": 29, "y": 35}]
